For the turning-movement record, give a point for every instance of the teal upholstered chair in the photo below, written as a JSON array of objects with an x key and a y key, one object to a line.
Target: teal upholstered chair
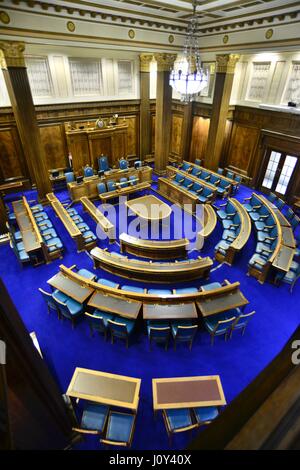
[
  {"x": 101, "y": 188},
  {"x": 123, "y": 164},
  {"x": 185, "y": 166},
  {"x": 133, "y": 180},
  {"x": 76, "y": 218},
  {"x": 120, "y": 328},
  {"x": 178, "y": 179},
  {"x": 83, "y": 227},
  {"x": 178, "y": 420},
  {"x": 111, "y": 185},
  {"x": 71, "y": 211},
  {"x": 205, "y": 414},
  {"x": 93, "y": 420},
  {"x": 241, "y": 321},
  {"x": 198, "y": 161},
  {"x": 123, "y": 183},
  {"x": 103, "y": 163},
  {"x": 196, "y": 189},
  {"x": 70, "y": 309},
  {"x": 70, "y": 177},
  {"x": 120, "y": 429},
  {"x": 60, "y": 296},
  {"x": 272, "y": 197},
  {"x": 86, "y": 273},
  {"x": 218, "y": 325},
  {"x": 107, "y": 282},
  {"x": 139, "y": 290},
  {"x": 267, "y": 237},
  {"x": 88, "y": 171},
  {"x": 279, "y": 203},
  {"x": 223, "y": 188},
  {"x": 89, "y": 237},
  {"x": 160, "y": 292},
  {"x": 159, "y": 332},
  {"x": 290, "y": 277},
  {"x": 36, "y": 208},
  {"x": 98, "y": 321},
  {"x": 266, "y": 225},
  {"x": 206, "y": 195},
  {"x": 47, "y": 296},
  {"x": 196, "y": 172},
  {"x": 220, "y": 171},
  {"x": 211, "y": 286},
  {"x": 137, "y": 163},
  {"x": 54, "y": 244},
  {"x": 230, "y": 174},
  {"x": 183, "y": 332}
]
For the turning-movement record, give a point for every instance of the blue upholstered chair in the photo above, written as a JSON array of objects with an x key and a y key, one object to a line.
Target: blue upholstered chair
[
  {"x": 206, "y": 195},
  {"x": 218, "y": 325},
  {"x": 98, "y": 321},
  {"x": 120, "y": 429},
  {"x": 261, "y": 214},
  {"x": 88, "y": 237},
  {"x": 267, "y": 237},
  {"x": 123, "y": 183},
  {"x": 205, "y": 175},
  {"x": 211, "y": 286},
  {"x": 36, "y": 208},
  {"x": 49, "y": 233},
  {"x": 220, "y": 171},
  {"x": 103, "y": 163},
  {"x": 185, "y": 167},
  {"x": 178, "y": 420},
  {"x": 70, "y": 177},
  {"x": 123, "y": 164},
  {"x": 196, "y": 189},
  {"x": 205, "y": 414},
  {"x": 107, "y": 283},
  {"x": 139, "y": 290},
  {"x": 71, "y": 211},
  {"x": 160, "y": 292},
  {"x": 120, "y": 328},
  {"x": 111, "y": 185},
  {"x": 198, "y": 161},
  {"x": 83, "y": 227},
  {"x": 77, "y": 219},
  {"x": 186, "y": 290},
  {"x": 223, "y": 188},
  {"x": 295, "y": 222},
  {"x": 230, "y": 174},
  {"x": 183, "y": 332},
  {"x": 253, "y": 203},
  {"x": 47, "y": 296},
  {"x": 241, "y": 321},
  {"x": 137, "y": 163},
  {"x": 290, "y": 277},
  {"x": 290, "y": 214},
  {"x": 159, "y": 332},
  {"x": 86, "y": 273},
  {"x": 93, "y": 420},
  {"x": 69, "y": 309},
  {"x": 187, "y": 183},
  {"x": 279, "y": 203},
  {"x": 196, "y": 172},
  {"x": 101, "y": 188},
  {"x": 54, "y": 244},
  {"x": 133, "y": 180},
  {"x": 272, "y": 197},
  {"x": 88, "y": 171},
  {"x": 178, "y": 179},
  {"x": 226, "y": 211},
  {"x": 266, "y": 225},
  {"x": 39, "y": 216}
]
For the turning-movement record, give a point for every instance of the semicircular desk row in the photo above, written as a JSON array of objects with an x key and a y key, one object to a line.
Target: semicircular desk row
[
  {"x": 276, "y": 244},
  {"x": 157, "y": 304},
  {"x": 166, "y": 272}
]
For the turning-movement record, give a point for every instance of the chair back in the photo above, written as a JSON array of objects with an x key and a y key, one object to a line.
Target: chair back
[
  {"x": 88, "y": 171},
  {"x": 185, "y": 166},
  {"x": 220, "y": 171},
  {"x": 187, "y": 182},
  {"x": 111, "y": 185},
  {"x": 123, "y": 182},
  {"x": 230, "y": 174},
  {"x": 198, "y": 161},
  {"x": 96, "y": 322},
  {"x": 196, "y": 172},
  {"x": 123, "y": 164},
  {"x": 279, "y": 203},
  {"x": 137, "y": 163},
  {"x": 238, "y": 178},
  {"x": 223, "y": 324},
  {"x": 117, "y": 329},
  {"x": 159, "y": 334},
  {"x": 242, "y": 320},
  {"x": 186, "y": 333},
  {"x": 103, "y": 163},
  {"x": 101, "y": 188},
  {"x": 272, "y": 197},
  {"x": 47, "y": 296},
  {"x": 133, "y": 179},
  {"x": 70, "y": 177},
  {"x": 295, "y": 222},
  {"x": 178, "y": 178},
  {"x": 63, "y": 308}
]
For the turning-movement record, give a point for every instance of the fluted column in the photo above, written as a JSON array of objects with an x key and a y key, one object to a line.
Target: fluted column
[
  {"x": 145, "y": 118},
  {"x": 225, "y": 66},
  {"x": 15, "y": 73},
  {"x": 163, "y": 118}
]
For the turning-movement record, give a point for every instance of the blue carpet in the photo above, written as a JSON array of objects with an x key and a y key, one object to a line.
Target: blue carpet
[{"x": 237, "y": 361}]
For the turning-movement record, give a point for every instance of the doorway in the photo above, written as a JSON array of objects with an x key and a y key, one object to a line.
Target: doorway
[{"x": 279, "y": 172}]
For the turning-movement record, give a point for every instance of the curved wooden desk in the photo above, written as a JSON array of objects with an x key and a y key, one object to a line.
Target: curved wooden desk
[
  {"x": 146, "y": 270},
  {"x": 104, "y": 297},
  {"x": 243, "y": 236},
  {"x": 149, "y": 208},
  {"x": 99, "y": 218},
  {"x": 210, "y": 221},
  {"x": 154, "y": 249}
]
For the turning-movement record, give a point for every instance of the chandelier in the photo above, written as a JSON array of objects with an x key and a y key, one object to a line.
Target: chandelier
[{"x": 188, "y": 77}]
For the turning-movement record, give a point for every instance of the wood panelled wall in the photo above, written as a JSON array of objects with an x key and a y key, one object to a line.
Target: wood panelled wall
[{"x": 51, "y": 119}]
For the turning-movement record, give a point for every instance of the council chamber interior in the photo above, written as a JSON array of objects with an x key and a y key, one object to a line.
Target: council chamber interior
[{"x": 149, "y": 225}]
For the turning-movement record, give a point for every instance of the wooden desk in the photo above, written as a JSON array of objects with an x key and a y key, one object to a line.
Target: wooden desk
[
  {"x": 99, "y": 218},
  {"x": 220, "y": 177},
  {"x": 73, "y": 289},
  {"x": 149, "y": 208},
  {"x": 154, "y": 249},
  {"x": 105, "y": 388},
  {"x": 184, "y": 311},
  {"x": 288, "y": 238},
  {"x": 154, "y": 272},
  {"x": 171, "y": 171},
  {"x": 109, "y": 303},
  {"x": 124, "y": 191},
  {"x": 220, "y": 300},
  {"x": 10, "y": 186},
  {"x": 187, "y": 392},
  {"x": 176, "y": 194},
  {"x": 284, "y": 258}
]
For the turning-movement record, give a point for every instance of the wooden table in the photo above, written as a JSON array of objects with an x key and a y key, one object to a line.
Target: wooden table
[
  {"x": 154, "y": 249},
  {"x": 187, "y": 392},
  {"x": 105, "y": 388},
  {"x": 288, "y": 237},
  {"x": 73, "y": 289},
  {"x": 149, "y": 208},
  {"x": 211, "y": 305},
  {"x": 284, "y": 258},
  {"x": 109, "y": 303},
  {"x": 184, "y": 311}
]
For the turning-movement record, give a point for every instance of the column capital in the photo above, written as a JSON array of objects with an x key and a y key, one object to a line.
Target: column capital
[
  {"x": 145, "y": 60},
  {"x": 12, "y": 54},
  {"x": 225, "y": 63},
  {"x": 164, "y": 61}
]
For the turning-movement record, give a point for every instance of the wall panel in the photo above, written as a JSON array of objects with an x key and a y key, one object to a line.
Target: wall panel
[
  {"x": 199, "y": 138},
  {"x": 242, "y": 146},
  {"x": 176, "y": 133},
  {"x": 53, "y": 140},
  {"x": 11, "y": 156}
]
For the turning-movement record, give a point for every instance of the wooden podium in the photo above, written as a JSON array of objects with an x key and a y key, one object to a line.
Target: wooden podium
[{"x": 86, "y": 143}]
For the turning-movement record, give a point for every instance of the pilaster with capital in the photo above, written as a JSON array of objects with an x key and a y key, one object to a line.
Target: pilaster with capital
[
  {"x": 165, "y": 61},
  {"x": 12, "y": 54},
  {"x": 145, "y": 61},
  {"x": 225, "y": 63}
]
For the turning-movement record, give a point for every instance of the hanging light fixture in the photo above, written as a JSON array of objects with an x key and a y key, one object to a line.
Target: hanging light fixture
[{"x": 188, "y": 77}]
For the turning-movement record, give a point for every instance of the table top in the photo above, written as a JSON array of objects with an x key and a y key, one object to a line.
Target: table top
[
  {"x": 30, "y": 241},
  {"x": 288, "y": 237},
  {"x": 71, "y": 288},
  {"x": 212, "y": 305},
  {"x": 284, "y": 258},
  {"x": 157, "y": 244},
  {"x": 149, "y": 208},
  {"x": 169, "y": 312},
  {"x": 187, "y": 392},
  {"x": 105, "y": 388},
  {"x": 109, "y": 303}
]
